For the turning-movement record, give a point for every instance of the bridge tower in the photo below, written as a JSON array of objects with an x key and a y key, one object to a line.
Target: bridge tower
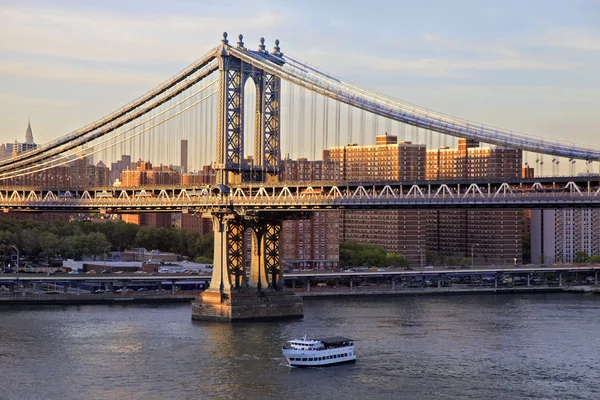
[
  {"x": 232, "y": 294},
  {"x": 234, "y": 73}
]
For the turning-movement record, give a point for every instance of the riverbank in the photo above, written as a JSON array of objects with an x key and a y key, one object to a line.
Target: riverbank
[
  {"x": 426, "y": 291},
  {"x": 107, "y": 298}
]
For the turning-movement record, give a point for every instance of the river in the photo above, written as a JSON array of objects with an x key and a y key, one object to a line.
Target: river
[{"x": 538, "y": 346}]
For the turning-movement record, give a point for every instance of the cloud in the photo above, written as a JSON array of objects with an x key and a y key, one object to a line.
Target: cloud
[
  {"x": 21, "y": 101},
  {"x": 457, "y": 67},
  {"x": 576, "y": 38},
  {"x": 116, "y": 38},
  {"x": 61, "y": 72}
]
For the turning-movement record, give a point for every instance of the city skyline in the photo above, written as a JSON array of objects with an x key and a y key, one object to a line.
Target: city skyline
[{"x": 68, "y": 64}]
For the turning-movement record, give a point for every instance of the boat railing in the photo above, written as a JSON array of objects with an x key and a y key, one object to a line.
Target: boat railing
[{"x": 326, "y": 347}]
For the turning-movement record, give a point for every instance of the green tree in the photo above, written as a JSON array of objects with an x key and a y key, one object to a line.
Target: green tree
[
  {"x": 30, "y": 242},
  {"x": 581, "y": 257},
  {"x": 76, "y": 246},
  {"x": 96, "y": 244},
  {"x": 397, "y": 260},
  {"x": 50, "y": 245},
  {"x": 594, "y": 259},
  {"x": 123, "y": 235}
]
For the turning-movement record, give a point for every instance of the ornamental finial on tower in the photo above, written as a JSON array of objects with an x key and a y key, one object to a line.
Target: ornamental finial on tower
[
  {"x": 261, "y": 47},
  {"x": 240, "y": 43},
  {"x": 225, "y": 41},
  {"x": 277, "y": 49}
]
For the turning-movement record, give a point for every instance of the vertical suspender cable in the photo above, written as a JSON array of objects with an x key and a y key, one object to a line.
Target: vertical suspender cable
[
  {"x": 325, "y": 123},
  {"x": 337, "y": 123},
  {"x": 349, "y": 123}
]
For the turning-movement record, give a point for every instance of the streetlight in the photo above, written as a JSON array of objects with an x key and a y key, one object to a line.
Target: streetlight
[
  {"x": 105, "y": 250},
  {"x": 473, "y": 254},
  {"x": 17, "y": 250}
]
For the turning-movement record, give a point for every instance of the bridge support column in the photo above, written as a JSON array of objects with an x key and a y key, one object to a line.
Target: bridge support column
[
  {"x": 231, "y": 296},
  {"x": 560, "y": 274}
]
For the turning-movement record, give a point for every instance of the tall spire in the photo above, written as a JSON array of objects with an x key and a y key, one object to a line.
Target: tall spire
[{"x": 29, "y": 133}]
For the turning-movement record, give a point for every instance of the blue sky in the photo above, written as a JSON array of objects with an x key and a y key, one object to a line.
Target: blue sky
[{"x": 529, "y": 66}]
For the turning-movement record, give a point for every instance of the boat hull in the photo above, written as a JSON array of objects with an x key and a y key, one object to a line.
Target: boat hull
[
  {"x": 319, "y": 358},
  {"x": 353, "y": 361}
]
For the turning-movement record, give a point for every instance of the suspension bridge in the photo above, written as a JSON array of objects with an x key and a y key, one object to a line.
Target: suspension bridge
[{"x": 233, "y": 99}]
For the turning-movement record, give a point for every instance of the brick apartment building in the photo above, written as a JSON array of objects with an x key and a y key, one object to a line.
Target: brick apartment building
[
  {"x": 398, "y": 231},
  {"x": 311, "y": 243},
  {"x": 492, "y": 236}
]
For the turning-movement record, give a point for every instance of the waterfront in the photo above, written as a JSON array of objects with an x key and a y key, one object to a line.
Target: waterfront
[{"x": 468, "y": 347}]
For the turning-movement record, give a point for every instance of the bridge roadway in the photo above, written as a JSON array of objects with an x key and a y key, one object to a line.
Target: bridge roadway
[
  {"x": 299, "y": 275},
  {"x": 138, "y": 278},
  {"x": 551, "y": 193},
  {"x": 440, "y": 270}
]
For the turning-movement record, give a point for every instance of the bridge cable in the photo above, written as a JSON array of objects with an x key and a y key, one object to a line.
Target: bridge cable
[
  {"x": 168, "y": 118},
  {"x": 108, "y": 138}
]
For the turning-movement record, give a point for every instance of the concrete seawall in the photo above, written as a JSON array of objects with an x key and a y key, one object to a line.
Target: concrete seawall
[
  {"x": 95, "y": 299},
  {"x": 316, "y": 293}
]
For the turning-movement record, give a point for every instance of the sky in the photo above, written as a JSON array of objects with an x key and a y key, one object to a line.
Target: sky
[{"x": 531, "y": 66}]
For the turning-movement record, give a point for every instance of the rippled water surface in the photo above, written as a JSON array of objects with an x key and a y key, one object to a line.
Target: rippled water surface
[{"x": 542, "y": 346}]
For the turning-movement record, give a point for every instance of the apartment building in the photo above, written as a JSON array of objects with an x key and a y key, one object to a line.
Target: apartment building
[
  {"x": 402, "y": 232},
  {"x": 492, "y": 236}
]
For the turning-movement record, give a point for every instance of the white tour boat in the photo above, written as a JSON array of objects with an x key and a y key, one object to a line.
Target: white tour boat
[{"x": 319, "y": 352}]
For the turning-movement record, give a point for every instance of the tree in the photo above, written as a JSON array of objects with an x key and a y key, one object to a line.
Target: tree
[
  {"x": 50, "y": 245},
  {"x": 355, "y": 254},
  {"x": 594, "y": 259},
  {"x": 123, "y": 235},
  {"x": 30, "y": 242},
  {"x": 96, "y": 244},
  {"x": 397, "y": 260},
  {"x": 76, "y": 246},
  {"x": 581, "y": 257}
]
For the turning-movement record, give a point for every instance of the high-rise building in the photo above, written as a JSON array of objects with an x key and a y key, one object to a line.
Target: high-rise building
[
  {"x": 398, "y": 231},
  {"x": 184, "y": 156},
  {"x": 116, "y": 168},
  {"x": 13, "y": 149},
  {"x": 314, "y": 242},
  {"x": 143, "y": 173},
  {"x": 491, "y": 236},
  {"x": 557, "y": 235},
  {"x": 206, "y": 176},
  {"x": 387, "y": 160}
]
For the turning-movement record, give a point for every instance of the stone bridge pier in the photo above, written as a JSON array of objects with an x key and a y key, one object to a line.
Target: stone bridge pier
[{"x": 234, "y": 294}]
